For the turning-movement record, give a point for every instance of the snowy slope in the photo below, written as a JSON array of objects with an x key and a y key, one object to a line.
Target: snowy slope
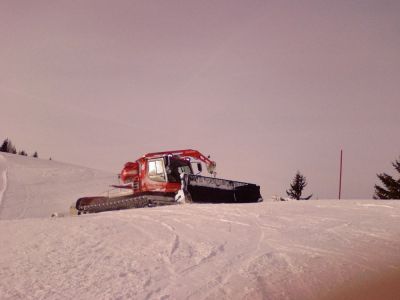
[
  {"x": 31, "y": 187},
  {"x": 294, "y": 250},
  {"x": 271, "y": 250}
]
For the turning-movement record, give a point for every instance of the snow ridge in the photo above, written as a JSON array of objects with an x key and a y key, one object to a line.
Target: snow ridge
[{"x": 3, "y": 177}]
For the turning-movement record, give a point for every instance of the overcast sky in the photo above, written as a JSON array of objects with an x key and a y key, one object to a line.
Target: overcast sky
[{"x": 266, "y": 87}]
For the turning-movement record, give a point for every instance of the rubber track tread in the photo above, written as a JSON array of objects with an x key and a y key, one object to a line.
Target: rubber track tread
[{"x": 100, "y": 204}]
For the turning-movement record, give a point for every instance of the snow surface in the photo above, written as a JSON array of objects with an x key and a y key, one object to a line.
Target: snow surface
[
  {"x": 271, "y": 250},
  {"x": 37, "y": 188}
]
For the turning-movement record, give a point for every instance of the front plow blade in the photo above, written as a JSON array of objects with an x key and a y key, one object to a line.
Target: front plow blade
[{"x": 217, "y": 190}]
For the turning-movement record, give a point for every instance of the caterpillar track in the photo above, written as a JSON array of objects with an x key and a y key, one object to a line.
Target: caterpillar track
[{"x": 98, "y": 204}]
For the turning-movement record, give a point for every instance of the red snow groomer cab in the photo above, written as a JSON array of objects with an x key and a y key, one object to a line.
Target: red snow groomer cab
[{"x": 164, "y": 178}]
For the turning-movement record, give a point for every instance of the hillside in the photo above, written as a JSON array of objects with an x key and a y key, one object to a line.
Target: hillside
[
  {"x": 31, "y": 187},
  {"x": 271, "y": 250}
]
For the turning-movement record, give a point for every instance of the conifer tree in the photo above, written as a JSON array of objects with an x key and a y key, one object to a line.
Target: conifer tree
[
  {"x": 4, "y": 146},
  {"x": 35, "y": 154},
  {"x": 8, "y": 147},
  {"x": 391, "y": 186},
  {"x": 22, "y": 152},
  {"x": 296, "y": 187}
]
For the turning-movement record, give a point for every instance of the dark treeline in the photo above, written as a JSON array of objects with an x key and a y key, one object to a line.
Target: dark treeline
[
  {"x": 8, "y": 147},
  {"x": 389, "y": 188}
]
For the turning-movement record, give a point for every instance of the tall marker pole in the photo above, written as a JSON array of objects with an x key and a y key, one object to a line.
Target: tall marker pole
[{"x": 340, "y": 177}]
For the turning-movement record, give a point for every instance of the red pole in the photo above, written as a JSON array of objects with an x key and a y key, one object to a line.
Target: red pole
[{"x": 340, "y": 177}]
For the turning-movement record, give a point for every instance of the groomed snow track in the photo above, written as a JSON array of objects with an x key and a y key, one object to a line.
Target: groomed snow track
[{"x": 3, "y": 178}]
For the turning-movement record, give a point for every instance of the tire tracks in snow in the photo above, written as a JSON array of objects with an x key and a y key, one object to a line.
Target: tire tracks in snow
[{"x": 3, "y": 179}]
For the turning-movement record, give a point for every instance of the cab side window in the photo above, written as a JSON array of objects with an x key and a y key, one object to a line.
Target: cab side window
[{"x": 156, "y": 170}]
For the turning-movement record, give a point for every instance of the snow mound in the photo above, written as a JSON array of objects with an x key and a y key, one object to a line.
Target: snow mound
[{"x": 31, "y": 187}]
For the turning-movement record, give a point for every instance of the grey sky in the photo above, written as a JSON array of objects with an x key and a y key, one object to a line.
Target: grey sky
[{"x": 266, "y": 87}]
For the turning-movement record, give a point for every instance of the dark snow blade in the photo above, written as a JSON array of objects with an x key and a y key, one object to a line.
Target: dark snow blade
[{"x": 217, "y": 190}]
